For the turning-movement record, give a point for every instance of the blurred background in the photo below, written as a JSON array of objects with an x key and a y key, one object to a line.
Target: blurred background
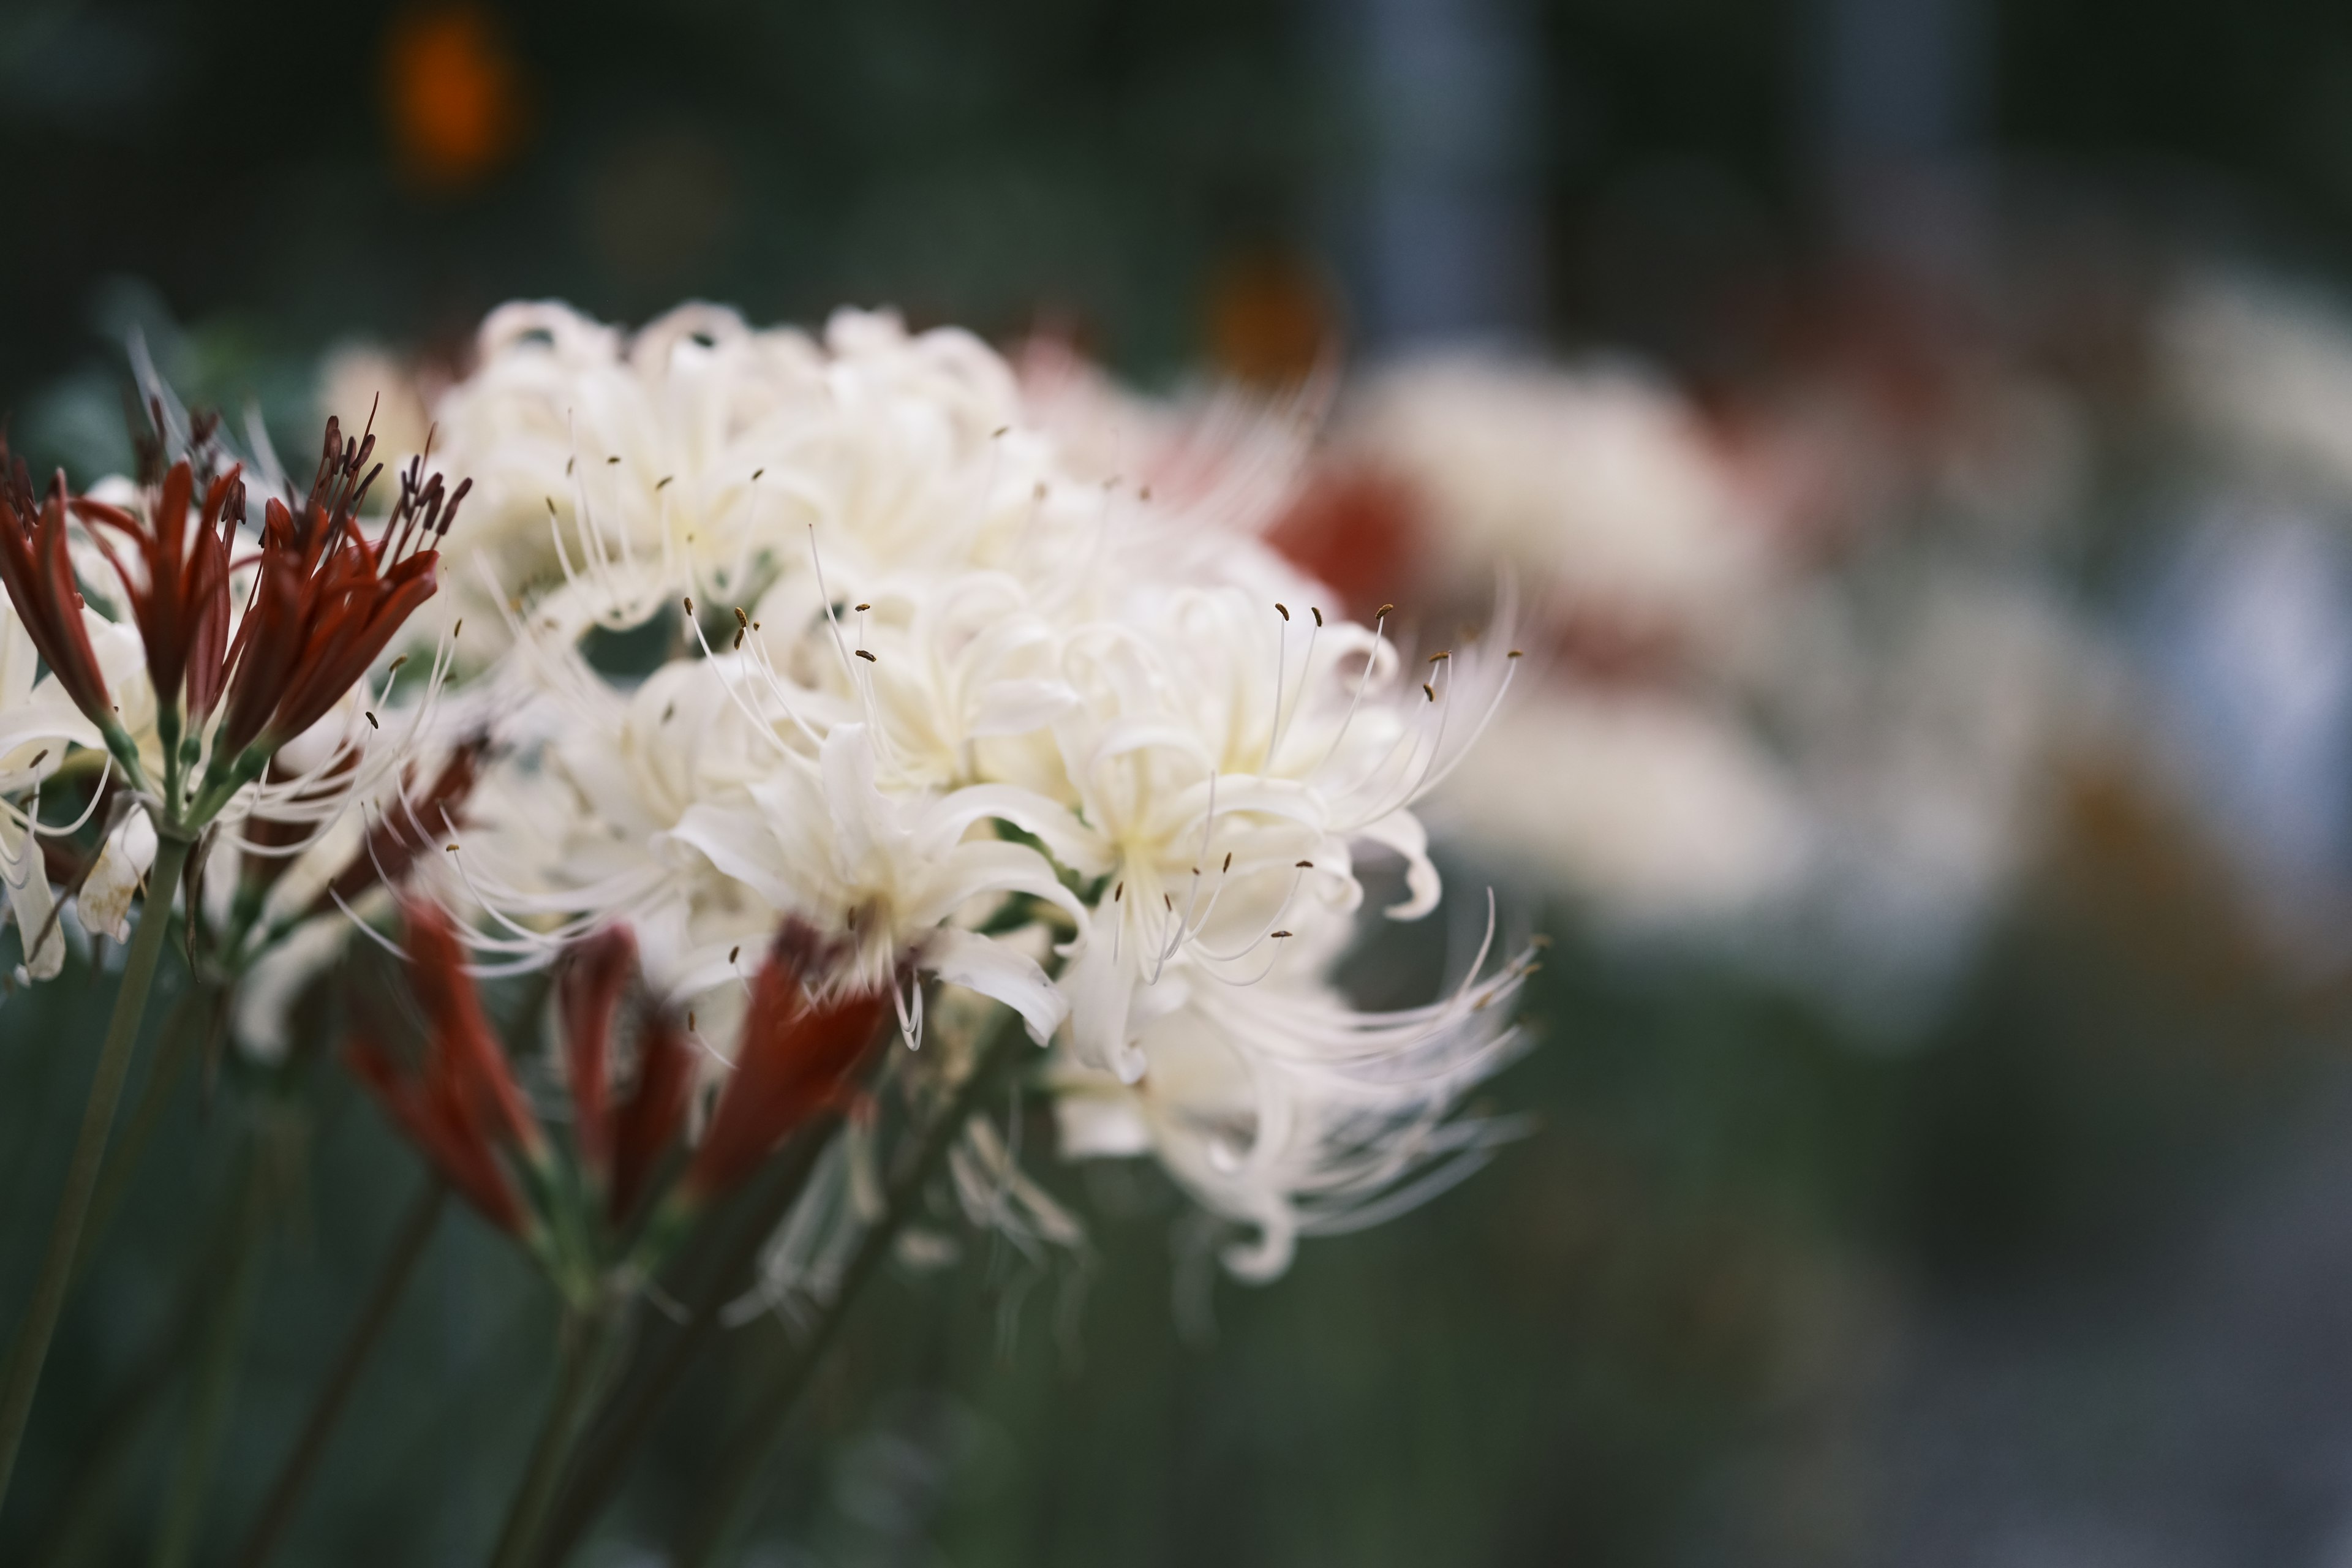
[{"x": 1922, "y": 433}]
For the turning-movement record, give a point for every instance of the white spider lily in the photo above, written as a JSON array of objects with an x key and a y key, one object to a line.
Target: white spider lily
[
  {"x": 1227, "y": 760},
  {"x": 826, "y": 844},
  {"x": 1290, "y": 1112}
]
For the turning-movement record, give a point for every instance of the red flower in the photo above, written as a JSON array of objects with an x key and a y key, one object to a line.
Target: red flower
[
  {"x": 326, "y": 600},
  {"x": 797, "y": 1057},
  {"x": 39, "y": 578},
  {"x": 179, "y": 595},
  {"x": 460, "y": 1103}
]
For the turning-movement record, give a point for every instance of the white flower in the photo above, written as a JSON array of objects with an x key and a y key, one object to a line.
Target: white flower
[
  {"x": 615, "y": 474},
  {"x": 826, "y": 846},
  {"x": 2266, "y": 369},
  {"x": 1656, "y": 807},
  {"x": 955, "y": 705},
  {"x": 1596, "y": 485},
  {"x": 1286, "y": 1110}
]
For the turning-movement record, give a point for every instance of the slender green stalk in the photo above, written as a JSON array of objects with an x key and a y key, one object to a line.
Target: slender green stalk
[
  {"x": 622, "y": 1423},
  {"x": 219, "y": 1361},
  {"x": 89, "y": 1500},
  {"x": 302, "y": 1460},
  {"x": 585, "y": 1333},
  {"x": 727, "y": 1504},
  {"x": 173, "y": 1046},
  {"x": 31, "y": 1350}
]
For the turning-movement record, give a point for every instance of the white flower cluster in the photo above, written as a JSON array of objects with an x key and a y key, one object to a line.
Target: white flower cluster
[{"x": 973, "y": 714}]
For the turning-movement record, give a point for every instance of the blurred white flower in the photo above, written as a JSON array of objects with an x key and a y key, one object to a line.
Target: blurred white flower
[
  {"x": 1597, "y": 486},
  {"x": 1653, "y": 807},
  {"x": 2265, "y": 369}
]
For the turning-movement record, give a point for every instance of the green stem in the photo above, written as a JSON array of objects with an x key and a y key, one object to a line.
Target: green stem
[
  {"x": 303, "y": 1459},
  {"x": 180, "y": 1030},
  {"x": 31, "y": 1350},
  {"x": 583, "y": 1335},
  {"x": 219, "y": 1361},
  {"x": 622, "y": 1423},
  {"x": 727, "y": 1504}
]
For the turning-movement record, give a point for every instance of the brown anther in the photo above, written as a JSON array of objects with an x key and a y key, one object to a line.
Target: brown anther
[
  {"x": 689, "y": 603},
  {"x": 689, "y": 1020},
  {"x": 1229, "y": 862},
  {"x": 567, "y": 465},
  {"x": 861, "y": 609},
  {"x": 551, "y": 504},
  {"x": 1305, "y": 866},
  {"x": 756, "y": 473},
  {"x": 1000, "y": 430},
  {"x": 453, "y": 849},
  {"x": 739, "y": 637},
  {"x": 1429, "y": 691},
  {"x": 1280, "y": 605},
  {"x": 1316, "y": 612},
  {"x": 1514, "y": 654},
  {"x": 1381, "y": 613},
  {"x": 1116, "y": 893},
  {"x": 1170, "y": 900},
  {"x": 1278, "y": 936},
  {"x": 664, "y": 482},
  {"x": 610, "y": 461},
  {"x": 455, "y": 629},
  {"x": 735, "y": 952},
  {"x": 1443, "y": 653},
  {"x": 395, "y": 664},
  {"x": 740, "y": 618},
  {"x": 866, "y": 657},
  {"x": 371, "y": 718},
  {"x": 39, "y": 758},
  {"x": 669, "y": 712}
]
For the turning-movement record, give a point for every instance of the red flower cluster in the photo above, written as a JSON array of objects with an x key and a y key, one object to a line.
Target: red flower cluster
[
  {"x": 325, "y": 599},
  {"x": 460, "y": 1104},
  {"x": 38, "y": 575}
]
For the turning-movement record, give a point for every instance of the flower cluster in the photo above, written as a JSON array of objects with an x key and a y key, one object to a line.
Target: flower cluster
[
  {"x": 972, "y": 717},
  {"x": 192, "y": 651}
]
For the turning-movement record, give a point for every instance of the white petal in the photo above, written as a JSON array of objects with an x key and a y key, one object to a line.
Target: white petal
[
  {"x": 970, "y": 960},
  {"x": 1403, "y": 832},
  {"x": 269, "y": 990},
  {"x": 29, "y": 898},
  {"x": 105, "y": 899}
]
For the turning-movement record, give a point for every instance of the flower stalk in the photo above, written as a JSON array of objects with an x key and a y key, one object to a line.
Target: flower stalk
[
  {"x": 726, "y": 1506},
  {"x": 31, "y": 1350},
  {"x": 285, "y": 1497},
  {"x": 584, "y": 1345}
]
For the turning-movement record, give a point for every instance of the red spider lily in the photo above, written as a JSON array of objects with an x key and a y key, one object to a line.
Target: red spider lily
[
  {"x": 179, "y": 594},
  {"x": 798, "y": 1055},
  {"x": 38, "y": 575},
  {"x": 326, "y": 600},
  {"x": 459, "y": 1104}
]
